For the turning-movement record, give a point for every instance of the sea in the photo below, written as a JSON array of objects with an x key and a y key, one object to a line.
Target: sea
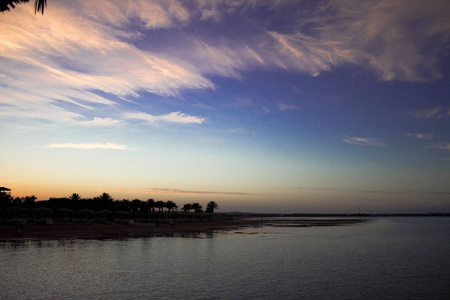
[{"x": 385, "y": 258}]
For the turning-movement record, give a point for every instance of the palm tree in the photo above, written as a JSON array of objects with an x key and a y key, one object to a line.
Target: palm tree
[
  {"x": 75, "y": 197},
  {"x": 171, "y": 205},
  {"x": 187, "y": 207},
  {"x": 17, "y": 201},
  {"x": 105, "y": 197},
  {"x": 151, "y": 205},
  {"x": 123, "y": 204},
  {"x": 29, "y": 201},
  {"x": 211, "y": 206},
  {"x": 160, "y": 205},
  {"x": 196, "y": 207},
  {"x": 136, "y": 206},
  {"x": 38, "y": 4},
  {"x": 104, "y": 201},
  {"x": 144, "y": 208}
]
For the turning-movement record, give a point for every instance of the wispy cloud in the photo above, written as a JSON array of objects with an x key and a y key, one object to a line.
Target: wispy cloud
[
  {"x": 360, "y": 32},
  {"x": 66, "y": 56},
  {"x": 379, "y": 192},
  {"x": 325, "y": 35},
  {"x": 443, "y": 146},
  {"x": 174, "y": 117},
  {"x": 86, "y": 146},
  {"x": 365, "y": 30},
  {"x": 156, "y": 14},
  {"x": 365, "y": 141},
  {"x": 79, "y": 53},
  {"x": 420, "y": 136},
  {"x": 404, "y": 192},
  {"x": 287, "y": 106},
  {"x": 435, "y": 113},
  {"x": 334, "y": 189},
  {"x": 322, "y": 189},
  {"x": 100, "y": 122},
  {"x": 177, "y": 191}
]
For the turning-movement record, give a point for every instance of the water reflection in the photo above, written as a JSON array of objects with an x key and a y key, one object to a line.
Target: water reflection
[{"x": 393, "y": 258}]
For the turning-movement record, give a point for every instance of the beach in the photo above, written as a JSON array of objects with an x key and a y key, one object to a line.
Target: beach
[
  {"x": 111, "y": 230},
  {"x": 116, "y": 230}
]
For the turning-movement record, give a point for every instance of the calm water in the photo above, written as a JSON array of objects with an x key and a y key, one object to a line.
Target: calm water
[{"x": 391, "y": 258}]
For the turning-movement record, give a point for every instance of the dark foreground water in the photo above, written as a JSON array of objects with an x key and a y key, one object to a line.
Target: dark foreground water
[{"x": 391, "y": 258}]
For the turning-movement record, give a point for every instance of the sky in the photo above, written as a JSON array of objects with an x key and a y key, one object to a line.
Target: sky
[{"x": 262, "y": 106}]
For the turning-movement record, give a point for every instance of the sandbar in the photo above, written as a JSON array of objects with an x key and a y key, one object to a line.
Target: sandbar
[
  {"x": 9, "y": 233},
  {"x": 116, "y": 230}
]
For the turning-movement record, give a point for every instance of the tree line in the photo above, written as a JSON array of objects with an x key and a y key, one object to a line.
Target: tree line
[{"x": 105, "y": 201}]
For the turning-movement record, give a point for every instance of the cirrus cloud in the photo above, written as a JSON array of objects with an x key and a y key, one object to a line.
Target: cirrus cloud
[
  {"x": 75, "y": 50},
  {"x": 178, "y": 191},
  {"x": 443, "y": 146},
  {"x": 100, "y": 122},
  {"x": 81, "y": 54},
  {"x": 88, "y": 146},
  {"x": 420, "y": 136},
  {"x": 432, "y": 113},
  {"x": 365, "y": 141},
  {"x": 173, "y": 117}
]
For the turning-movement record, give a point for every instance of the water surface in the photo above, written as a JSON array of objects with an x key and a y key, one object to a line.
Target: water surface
[{"x": 390, "y": 258}]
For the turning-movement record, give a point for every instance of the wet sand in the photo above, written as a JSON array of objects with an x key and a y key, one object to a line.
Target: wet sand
[
  {"x": 115, "y": 230},
  {"x": 9, "y": 233}
]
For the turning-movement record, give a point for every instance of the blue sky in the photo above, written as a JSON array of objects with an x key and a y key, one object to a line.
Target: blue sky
[{"x": 265, "y": 106}]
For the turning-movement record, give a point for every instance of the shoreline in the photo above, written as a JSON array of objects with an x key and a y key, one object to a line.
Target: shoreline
[
  {"x": 58, "y": 231},
  {"x": 99, "y": 231}
]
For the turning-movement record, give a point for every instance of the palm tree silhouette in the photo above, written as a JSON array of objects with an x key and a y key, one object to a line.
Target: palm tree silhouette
[
  {"x": 151, "y": 205},
  {"x": 124, "y": 205},
  {"x": 105, "y": 197},
  {"x": 186, "y": 207},
  {"x": 38, "y": 4},
  {"x": 211, "y": 206},
  {"x": 136, "y": 207},
  {"x": 160, "y": 205},
  {"x": 103, "y": 201},
  {"x": 171, "y": 205},
  {"x": 75, "y": 197},
  {"x": 196, "y": 207},
  {"x": 29, "y": 201}
]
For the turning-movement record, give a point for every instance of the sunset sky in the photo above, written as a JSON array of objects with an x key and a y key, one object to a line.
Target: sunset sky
[{"x": 263, "y": 106}]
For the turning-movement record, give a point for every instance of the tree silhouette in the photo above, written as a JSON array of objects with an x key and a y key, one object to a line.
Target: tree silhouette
[
  {"x": 75, "y": 197},
  {"x": 196, "y": 207},
  {"x": 29, "y": 201},
  {"x": 136, "y": 206},
  {"x": 211, "y": 206},
  {"x": 104, "y": 201},
  {"x": 160, "y": 205},
  {"x": 123, "y": 204},
  {"x": 38, "y": 5},
  {"x": 170, "y": 205},
  {"x": 186, "y": 207},
  {"x": 105, "y": 197},
  {"x": 17, "y": 201},
  {"x": 151, "y": 205}
]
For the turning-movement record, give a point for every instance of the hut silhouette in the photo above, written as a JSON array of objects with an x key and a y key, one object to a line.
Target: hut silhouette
[
  {"x": 85, "y": 215},
  {"x": 65, "y": 214},
  {"x": 104, "y": 215},
  {"x": 43, "y": 215}
]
